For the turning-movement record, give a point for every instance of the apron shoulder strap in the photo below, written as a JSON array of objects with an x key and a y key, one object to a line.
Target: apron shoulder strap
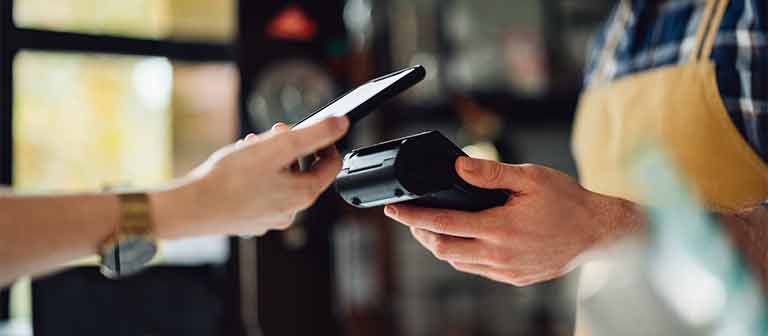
[
  {"x": 709, "y": 25},
  {"x": 706, "y": 34},
  {"x": 614, "y": 31}
]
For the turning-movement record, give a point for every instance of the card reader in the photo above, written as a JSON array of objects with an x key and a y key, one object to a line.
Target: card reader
[{"x": 418, "y": 169}]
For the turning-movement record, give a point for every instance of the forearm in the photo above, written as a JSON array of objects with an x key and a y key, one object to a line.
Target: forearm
[
  {"x": 748, "y": 230},
  {"x": 39, "y": 233},
  {"x": 42, "y": 233}
]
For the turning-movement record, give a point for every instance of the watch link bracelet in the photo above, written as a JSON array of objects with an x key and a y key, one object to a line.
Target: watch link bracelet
[{"x": 133, "y": 246}]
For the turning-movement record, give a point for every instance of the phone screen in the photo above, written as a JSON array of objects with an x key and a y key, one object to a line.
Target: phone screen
[{"x": 353, "y": 99}]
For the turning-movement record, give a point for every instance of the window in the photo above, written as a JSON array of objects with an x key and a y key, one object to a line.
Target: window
[
  {"x": 112, "y": 93},
  {"x": 203, "y": 20},
  {"x": 83, "y": 122}
]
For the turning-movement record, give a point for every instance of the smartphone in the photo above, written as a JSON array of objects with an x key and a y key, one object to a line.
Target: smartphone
[{"x": 363, "y": 100}]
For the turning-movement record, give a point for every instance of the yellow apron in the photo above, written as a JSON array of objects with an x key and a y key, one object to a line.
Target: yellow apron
[{"x": 678, "y": 108}]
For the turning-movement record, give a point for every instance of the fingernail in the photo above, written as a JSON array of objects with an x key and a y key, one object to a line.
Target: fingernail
[
  {"x": 469, "y": 165},
  {"x": 250, "y": 136},
  {"x": 341, "y": 123},
  {"x": 390, "y": 211}
]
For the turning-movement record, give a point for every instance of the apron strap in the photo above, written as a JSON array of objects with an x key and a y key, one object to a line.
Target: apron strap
[
  {"x": 616, "y": 29},
  {"x": 702, "y": 50},
  {"x": 708, "y": 29}
]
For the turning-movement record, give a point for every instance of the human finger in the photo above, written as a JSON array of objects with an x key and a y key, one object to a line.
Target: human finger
[
  {"x": 449, "y": 222},
  {"x": 484, "y": 271},
  {"x": 328, "y": 152},
  {"x": 285, "y": 147},
  {"x": 322, "y": 174},
  {"x": 280, "y": 127},
  {"x": 449, "y": 248},
  {"x": 276, "y": 129},
  {"x": 309, "y": 185},
  {"x": 492, "y": 175},
  {"x": 283, "y": 127},
  {"x": 513, "y": 277},
  {"x": 253, "y": 137}
]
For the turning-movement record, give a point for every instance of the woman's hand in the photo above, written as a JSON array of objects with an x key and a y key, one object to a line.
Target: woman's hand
[
  {"x": 248, "y": 188},
  {"x": 538, "y": 235}
]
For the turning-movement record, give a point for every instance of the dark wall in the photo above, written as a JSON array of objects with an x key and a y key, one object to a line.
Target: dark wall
[{"x": 161, "y": 301}]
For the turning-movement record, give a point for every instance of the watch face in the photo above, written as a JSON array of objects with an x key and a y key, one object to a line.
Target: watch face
[
  {"x": 129, "y": 256},
  {"x": 288, "y": 92}
]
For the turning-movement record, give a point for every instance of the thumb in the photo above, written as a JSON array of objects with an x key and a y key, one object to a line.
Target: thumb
[{"x": 490, "y": 174}]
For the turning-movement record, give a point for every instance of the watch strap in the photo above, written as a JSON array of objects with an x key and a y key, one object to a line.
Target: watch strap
[
  {"x": 131, "y": 247},
  {"x": 135, "y": 214}
]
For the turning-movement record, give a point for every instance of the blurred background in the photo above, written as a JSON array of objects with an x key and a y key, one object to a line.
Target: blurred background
[{"x": 110, "y": 93}]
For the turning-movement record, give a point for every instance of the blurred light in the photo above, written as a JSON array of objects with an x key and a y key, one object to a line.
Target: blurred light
[
  {"x": 358, "y": 18},
  {"x": 293, "y": 23},
  {"x": 594, "y": 277},
  {"x": 153, "y": 80},
  {"x": 690, "y": 259},
  {"x": 696, "y": 294},
  {"x": 291, "y": 98},
  {"x": 429, "y": 61},
  {"x": 196, "y": 251},
  {"x": 287, "y": 91},
  {"x": 430, "y": 87},
  {"x": 21, "y": 307},
  {"x": 16, "y": 328},
  {"x": 461, "y": 25}
]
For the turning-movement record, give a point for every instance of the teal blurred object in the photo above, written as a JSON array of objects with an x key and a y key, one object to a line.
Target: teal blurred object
[{"x": 686, "y": 279}]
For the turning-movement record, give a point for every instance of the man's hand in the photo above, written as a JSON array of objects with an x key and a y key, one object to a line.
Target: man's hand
[{"x": 538, "y": 235}]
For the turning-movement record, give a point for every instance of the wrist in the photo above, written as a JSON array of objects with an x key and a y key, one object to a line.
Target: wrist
[
  {"x": 748, "y": 232},
  {"x": 175, "y": 209},
  {"x": 621, "y": 220}
]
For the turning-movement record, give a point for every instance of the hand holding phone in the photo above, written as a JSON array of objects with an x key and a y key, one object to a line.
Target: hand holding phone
[{"x": 363, "y": 100}]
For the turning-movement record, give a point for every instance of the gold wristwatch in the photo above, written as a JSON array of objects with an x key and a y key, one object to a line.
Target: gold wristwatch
[{"x": 133, "y": 246}]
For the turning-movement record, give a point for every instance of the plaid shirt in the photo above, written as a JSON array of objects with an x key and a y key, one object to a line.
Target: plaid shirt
[{"x": 740, "y": 54}]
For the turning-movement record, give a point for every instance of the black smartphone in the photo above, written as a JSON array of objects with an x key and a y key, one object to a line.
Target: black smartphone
[{"x": 363, "y": 100}]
